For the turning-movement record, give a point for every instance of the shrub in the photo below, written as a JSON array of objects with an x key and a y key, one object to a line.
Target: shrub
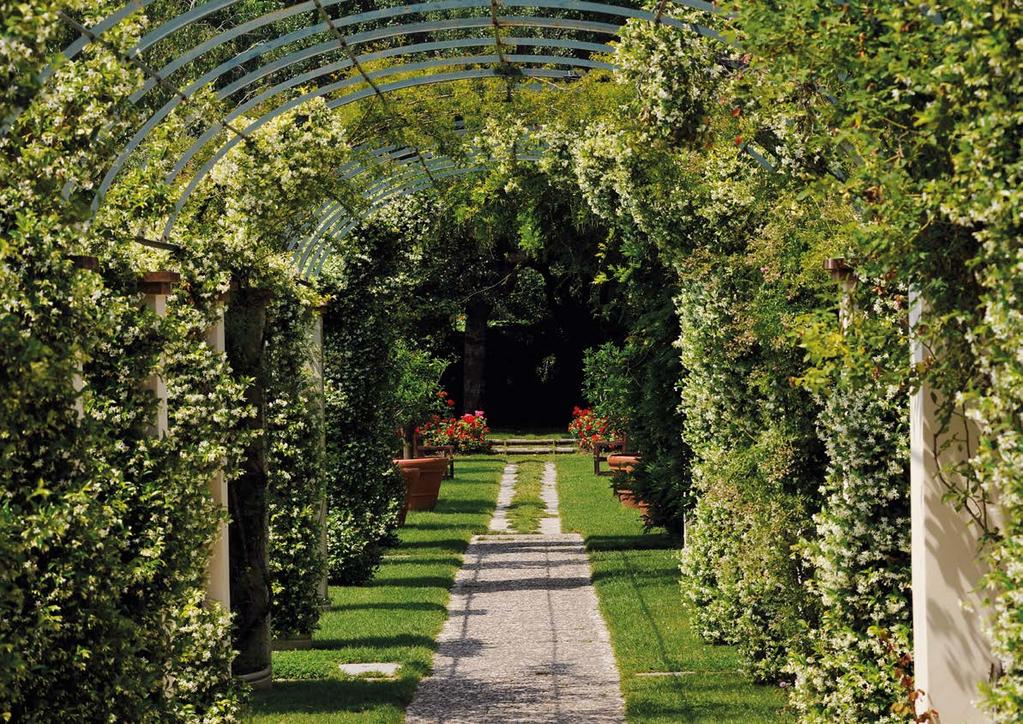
[
  {"x": 294, "y": 452},
  {"x": 365, "y": 490}
]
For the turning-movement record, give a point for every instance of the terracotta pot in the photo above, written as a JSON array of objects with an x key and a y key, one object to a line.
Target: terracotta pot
[
  {"x": 629, "y": 500},
  {"x": 622, "y": 463},
  {"x": 410, "y": 476},
  {"x": 422, "y": 493}
]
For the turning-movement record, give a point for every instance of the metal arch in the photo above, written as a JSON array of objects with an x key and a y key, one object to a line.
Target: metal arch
[
  {"x": 416, "y": 184},
  {"x": 197, "y": 13},
  {"x": 416, "y": 181},
  {"x": 333, "y": 213},
  {"x": 350, "y": 82},
  {"x": 356, "y": 19},
  {"x": 384, "y": 13},
  {"x": 390, "y": 31},
  {"x": 183, "y": 20},
  {"x": 344, "y": 100}
]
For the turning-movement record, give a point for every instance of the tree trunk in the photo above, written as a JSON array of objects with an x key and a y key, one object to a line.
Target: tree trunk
[
  {"x": 408, "y": 442},
  {"x": 248, "y": 531},
  {"x": 477, "y": 314}
]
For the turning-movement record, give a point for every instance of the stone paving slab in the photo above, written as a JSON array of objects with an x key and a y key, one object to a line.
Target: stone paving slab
[
  {"x": 524, "y": 640},
  {"x": 505, "y": 493}
]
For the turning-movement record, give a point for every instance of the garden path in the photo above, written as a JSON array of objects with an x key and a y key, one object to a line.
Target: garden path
[{"x": 524, "y": 640}]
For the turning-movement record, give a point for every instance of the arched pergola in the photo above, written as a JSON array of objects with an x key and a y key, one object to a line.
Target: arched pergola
[{"x": 316, "y": 49}]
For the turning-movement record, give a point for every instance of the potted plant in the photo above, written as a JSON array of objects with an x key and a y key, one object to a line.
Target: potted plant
[{"x": 416, "y": 398}]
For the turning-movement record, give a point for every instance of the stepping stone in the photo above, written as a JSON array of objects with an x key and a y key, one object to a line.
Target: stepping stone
[{"x": 381, "y": 670}]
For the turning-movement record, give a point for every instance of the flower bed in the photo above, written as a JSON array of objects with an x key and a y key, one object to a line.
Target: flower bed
[{"x": 588, "y": 428}]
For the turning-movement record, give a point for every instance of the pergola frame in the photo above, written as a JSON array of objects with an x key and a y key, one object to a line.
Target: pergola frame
[{"x": 530, "y": 65}]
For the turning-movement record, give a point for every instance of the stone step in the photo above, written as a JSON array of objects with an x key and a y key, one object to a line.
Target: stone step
[
  {"x": 535, "y": 442},
  {"x": 536, "y": 450}
]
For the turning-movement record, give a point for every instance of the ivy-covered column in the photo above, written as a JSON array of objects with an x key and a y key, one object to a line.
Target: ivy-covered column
[
  {"x": 218, "y": 572},
  {"x": 315, "y": 366},
  {"x": 90, "y": 264},
  {"x": 952, "y": 657},
  {"x": 156, "y": 286},
  {"x": 245, "y": 329}
]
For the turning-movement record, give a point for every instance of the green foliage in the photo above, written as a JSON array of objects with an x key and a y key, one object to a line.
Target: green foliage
[
  {"x": 417, "y": 385},
  {"x": 295, "y": 452},
  {"x": 606, "y": 383},
  {"x": 364, "y": 489},
  {"x": 104, "y": 531}
]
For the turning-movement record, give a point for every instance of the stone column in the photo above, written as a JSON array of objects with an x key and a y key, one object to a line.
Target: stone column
[
  {"x": 249, "y": 528},
  {"x": 218, "y": 571},
  {"x": 951, "y": 655},
  {"x": 845, "y": 276},
  {"x": 156, "y": 286}
]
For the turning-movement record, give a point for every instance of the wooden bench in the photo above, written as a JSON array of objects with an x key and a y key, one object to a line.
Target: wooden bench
[
  {"x": 439, "y": 451},
  {"x": 601, "y": 450}
]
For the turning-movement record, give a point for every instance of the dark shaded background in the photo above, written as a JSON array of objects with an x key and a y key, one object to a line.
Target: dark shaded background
[{"x": 534, "y": 373}]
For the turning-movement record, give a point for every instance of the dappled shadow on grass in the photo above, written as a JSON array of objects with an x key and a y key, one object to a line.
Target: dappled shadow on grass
[
  {"x": 470, "y": 506},
  {"x": 695, "y": 703},
  {"x": 650, "y": 541},
  {"x": 443, "y": 545},
  {"x": 414, "y": 582},
  {"x": 378, "y": 642},
  {"x": 325, "y": 696},
  {"x": 389, "y": 606}
]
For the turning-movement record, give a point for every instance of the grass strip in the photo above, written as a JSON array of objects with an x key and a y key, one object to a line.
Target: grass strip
[
  {"x": 527, "y": 506},
  {"x": 636, "y": 577},
  {"x": 395, "y": 618}
]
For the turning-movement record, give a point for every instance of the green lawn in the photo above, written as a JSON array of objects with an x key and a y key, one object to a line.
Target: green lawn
[
  {"x": 527, "y": 507},
  {"x": 636, "y": 576},
  {"x": 396, "y": 618}
]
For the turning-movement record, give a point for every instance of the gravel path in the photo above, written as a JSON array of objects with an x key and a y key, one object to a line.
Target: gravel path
[{"x": 524, "y": 640}]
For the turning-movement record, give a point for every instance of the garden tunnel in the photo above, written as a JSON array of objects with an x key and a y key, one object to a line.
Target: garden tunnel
[{"x": 120, "y": 126}]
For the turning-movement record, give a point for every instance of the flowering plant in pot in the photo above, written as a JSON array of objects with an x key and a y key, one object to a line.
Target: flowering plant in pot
[
  {"x": 588, "y": 428},
  {"x": 417, "y": 397},
  {"x": 466, "y": 434}
]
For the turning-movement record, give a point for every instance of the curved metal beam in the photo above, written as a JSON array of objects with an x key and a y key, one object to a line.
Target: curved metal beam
[
  {"x": 391, "y": 31},
  {"x": 197, "y": 13},
  {"x": 344, "y": 100},
  {"x": 416, "y": 182}
]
